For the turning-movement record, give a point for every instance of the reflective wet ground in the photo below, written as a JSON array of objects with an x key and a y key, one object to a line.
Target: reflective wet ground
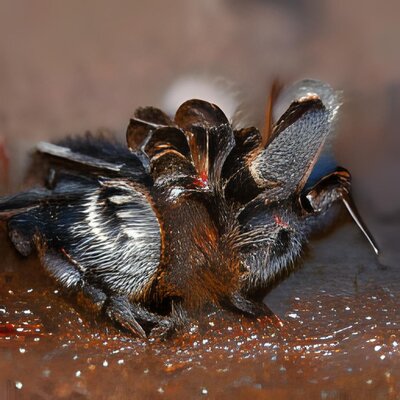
[
  {"x": 339, "y": 340},
  {"x": 75, "y": 65}
]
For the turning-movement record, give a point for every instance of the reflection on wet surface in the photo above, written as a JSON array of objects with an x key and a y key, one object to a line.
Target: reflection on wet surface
[{"x": 339, "y": 339}]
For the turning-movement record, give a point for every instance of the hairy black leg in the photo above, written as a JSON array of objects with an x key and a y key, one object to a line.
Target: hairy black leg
[
  {"x": 136, "y": 318},
  {"x": 120, "y": 311},
  {"x": 176, "y": 320},
  {"x": 249, "y": 307},
  {"x": 96, "y": 295},
  {"x": 62, "y": 269},
  {"x": 131, "y": 316},
  {"x": 254, "y": 309}
]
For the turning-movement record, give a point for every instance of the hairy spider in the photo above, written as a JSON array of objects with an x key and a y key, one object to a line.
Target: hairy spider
[{"x": 191, "y": 214}]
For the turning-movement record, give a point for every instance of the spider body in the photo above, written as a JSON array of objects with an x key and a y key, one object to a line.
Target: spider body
[{"x": 191, "y": 214}]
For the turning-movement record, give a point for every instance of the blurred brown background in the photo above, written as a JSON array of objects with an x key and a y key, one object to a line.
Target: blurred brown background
[{"x": 66, "y": 67}]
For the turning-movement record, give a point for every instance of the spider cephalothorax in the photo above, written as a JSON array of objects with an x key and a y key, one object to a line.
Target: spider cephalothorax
[{"x": 192, "y": 214}]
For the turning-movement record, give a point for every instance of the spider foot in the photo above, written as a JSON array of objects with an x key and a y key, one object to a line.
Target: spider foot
[
  {"x": 119, "y": 310},
  {"x": 168, "y": 326}
]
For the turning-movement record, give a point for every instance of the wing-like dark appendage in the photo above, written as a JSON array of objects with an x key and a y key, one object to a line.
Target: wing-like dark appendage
[
  {"x": 209, "y": 149},
  {"x": 145, "y": 121},
  {"x": 331, "y": 100},
  {"x": 306, "y": 88},
  {"x": 164, "y": 140},
  {"x": 209, "y": 135},
  {"x": 169, "y": 154},
  {"x": 196, "y": 144},
  {"x": 153, "y": 115},
  {"x": 236, "y": 173},
  {"x": 67, "y": 155},
  {"x": 221, "y": 143},
  {"x": 199, "y": 113},
  {"x": 137, "y": 133},
  {"x": 96, "y": 155},
  {"x": 72, "y": 187},
  {"x": 12, "y": 205},
  {"x": 24, "y": 211},
  {"x": 330, "y": 188},
  {"x": 281, "y": 166},
  {"x": 284, "y": 166}
]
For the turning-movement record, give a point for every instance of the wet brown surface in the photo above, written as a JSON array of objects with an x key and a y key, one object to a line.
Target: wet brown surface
[
  {"x": 340, "y": 338},
  {"x": 70, "y": 66}
]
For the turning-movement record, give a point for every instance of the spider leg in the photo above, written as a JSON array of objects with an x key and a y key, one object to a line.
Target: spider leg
[
  {"x": 59, "y": 267},
  {"x": 254, "y": 309},
  {"x": 167, "y": 326},
  {"x": 121, "y": 311},
  {"x": 96, "y": 295},
  {"x": 117, "y": 308},
  {"x": 249, "y": 307},
  {"x": 135, "y": 318}
]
